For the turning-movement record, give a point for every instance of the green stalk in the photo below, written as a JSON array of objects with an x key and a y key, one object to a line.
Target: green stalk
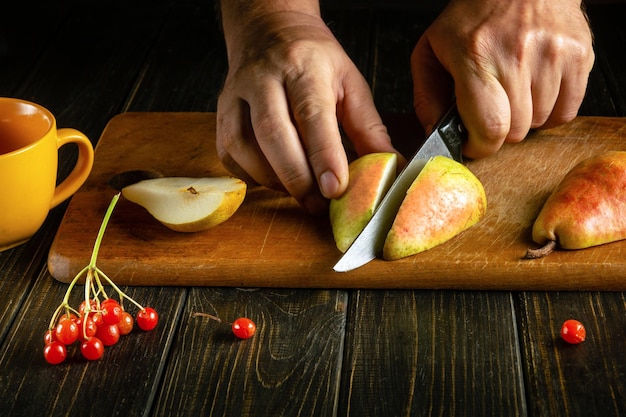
[{"x": 103, "y": 226}]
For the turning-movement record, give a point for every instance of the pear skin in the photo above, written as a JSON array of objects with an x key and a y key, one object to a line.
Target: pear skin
[
  {"x": 445, "y": 199},
  {"x": 370, "y": 177},
  {"x": 588, "y": 207}
]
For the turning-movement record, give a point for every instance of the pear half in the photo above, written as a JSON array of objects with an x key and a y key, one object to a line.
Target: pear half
[
  {"x": 188, "y": 204},
  {"x": 445, "y": 199},
  {"x": 370, "y": 177}
]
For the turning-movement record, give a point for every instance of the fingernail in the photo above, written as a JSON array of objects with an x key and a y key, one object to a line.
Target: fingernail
[{"x": 329, "y": 184}]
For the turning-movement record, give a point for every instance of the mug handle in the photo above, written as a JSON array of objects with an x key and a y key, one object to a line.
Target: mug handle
[{"x": 81, "y": 170}]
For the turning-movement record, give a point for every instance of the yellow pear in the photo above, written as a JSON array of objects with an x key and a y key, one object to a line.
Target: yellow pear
[
  {"x": 188, "y": 204},
  {"x": 588, "y": 207},
  {"x": 370, "y": 177},
  {"x": 445, "y": 199}
]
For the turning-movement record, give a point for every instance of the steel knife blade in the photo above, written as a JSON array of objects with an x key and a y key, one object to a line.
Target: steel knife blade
[{"x": 446, "y": 139}]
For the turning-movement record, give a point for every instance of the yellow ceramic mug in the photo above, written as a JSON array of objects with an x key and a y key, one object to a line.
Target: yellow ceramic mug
[{"x": 29, "y": 143}]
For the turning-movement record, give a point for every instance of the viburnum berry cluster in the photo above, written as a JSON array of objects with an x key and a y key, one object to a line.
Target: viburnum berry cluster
[{"x": 100, "y": 320}]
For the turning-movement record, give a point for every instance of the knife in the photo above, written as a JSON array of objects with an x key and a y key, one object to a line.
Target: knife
[{"x": 446, "y": 139}]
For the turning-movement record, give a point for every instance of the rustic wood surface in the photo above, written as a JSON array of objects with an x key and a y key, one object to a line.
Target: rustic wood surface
[
  {"x": 272, "y": 242},
  {"x": 318, "y": 352}
]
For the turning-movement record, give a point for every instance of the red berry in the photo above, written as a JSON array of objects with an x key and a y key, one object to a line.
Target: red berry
[
  {"x": 49, "y": 337},
  {"x": 70, "y": 316},
  {"x": 89, "y": 327},
  {"x": 92, "y": 348},
  {"x": 111, "y": 311},
  {"x": 97, "y": 319},
  {"x": 147, "y": 319},
  {"x": 109, "y": 301},
  {"x": 244, "y": 328},
  {"x": 55, "y": 352},
  {"x": 126, "y": 323},
  {"x": 109, "y": 334},
  {"x": 67, "y": 331},
  {"x": 573, "y": 332},
  {"x": 83, "y": 306}
]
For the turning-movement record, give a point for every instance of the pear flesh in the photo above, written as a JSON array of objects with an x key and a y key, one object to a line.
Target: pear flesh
[
  {"x": 188, "y": 204},
  {"x": 445, "y": 199},
  {"x": 370, "y": 177},
  {"x": 588, "y": 207}
]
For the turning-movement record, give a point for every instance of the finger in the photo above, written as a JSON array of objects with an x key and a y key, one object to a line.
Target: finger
[
  {"x": 485, "y": 111},
  {"x": 572, "y": 91},
  {"x": 360, "y": 119},
  {"x": 279, "y": 141},
  {"x": 432, "y": 85},
  {"x": 237, "y": 147},
  {"x": 313, "y": 103},
  {"x": 546, "y": 82},
  {"x": 517, "y": 86}
]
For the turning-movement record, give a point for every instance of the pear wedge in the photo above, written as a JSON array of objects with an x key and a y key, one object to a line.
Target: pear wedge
[
  {"x": 587, "y": 208},
  {"x": 445, "y": 199},
  {"x": 370, "y": 177},
  {"x": 188, "y": 204}
]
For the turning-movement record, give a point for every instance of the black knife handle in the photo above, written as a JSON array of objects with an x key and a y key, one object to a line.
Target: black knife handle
[{"x": 454, "y": 133}]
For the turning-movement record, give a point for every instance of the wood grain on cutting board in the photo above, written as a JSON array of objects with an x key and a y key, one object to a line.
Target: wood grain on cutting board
[{"x": 272, "y": 242}]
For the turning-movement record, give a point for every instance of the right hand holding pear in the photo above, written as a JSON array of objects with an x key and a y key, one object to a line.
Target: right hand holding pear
[{"x": 588, "y": 207}]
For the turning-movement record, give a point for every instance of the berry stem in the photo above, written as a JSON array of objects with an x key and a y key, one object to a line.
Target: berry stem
[
  {"x": 212, "y": 317},
  {"x": 103, "y": 226},
  {"x": 93, "y": 285}
]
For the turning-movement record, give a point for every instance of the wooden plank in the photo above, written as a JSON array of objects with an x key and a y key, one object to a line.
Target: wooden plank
[
  {"x": 587, "y": 379},
  {"x": 297, "y": 351},
  {"x": 428, "y": 353},
  {"x": 290, "y": 367},
  {"x": 123, "y": 382},
  {"x": 574, "y": 380},
  {"x": 425, "y": 352},
  {"x": 187, "y": 65},
  {"x": 610, "y": 45},
  {"x": 84, "y": 95},
  {"x": 19, "y": 268},
  {"x": 25, "y": 34}
]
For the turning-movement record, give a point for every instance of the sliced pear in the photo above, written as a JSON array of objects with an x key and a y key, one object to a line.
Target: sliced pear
[
  {"x": 188, "y": 204},
  {"x": 370, "y": 177},
  {"x": 445, "y": 199}
]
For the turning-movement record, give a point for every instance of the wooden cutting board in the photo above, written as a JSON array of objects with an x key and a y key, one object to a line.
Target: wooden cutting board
[{"x": 271, "y": 242}]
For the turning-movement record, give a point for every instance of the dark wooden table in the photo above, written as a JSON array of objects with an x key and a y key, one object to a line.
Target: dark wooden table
[{"x": 317, "y": 352}]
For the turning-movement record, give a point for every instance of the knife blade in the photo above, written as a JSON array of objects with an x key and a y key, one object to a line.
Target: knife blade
[{"x": 446, "y": 139}]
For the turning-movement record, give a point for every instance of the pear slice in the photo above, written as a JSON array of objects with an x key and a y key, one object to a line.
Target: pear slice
[
  {"x": 370, "y": 177},
  {"x": 445, "y": 199},
  {"x": 188, "y": 204}
]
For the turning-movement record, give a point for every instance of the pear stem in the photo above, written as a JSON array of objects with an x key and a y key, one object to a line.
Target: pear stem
[{"x": 542, "y": 251}]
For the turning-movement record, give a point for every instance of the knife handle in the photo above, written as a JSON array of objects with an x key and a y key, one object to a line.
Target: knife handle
[{"x": 452, "y": 130}]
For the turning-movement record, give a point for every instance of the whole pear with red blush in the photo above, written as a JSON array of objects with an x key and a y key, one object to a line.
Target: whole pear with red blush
[{"x": 587, "y": 208}]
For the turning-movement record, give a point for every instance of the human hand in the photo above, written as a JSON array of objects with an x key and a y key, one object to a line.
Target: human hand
[
  {"x": 288, "y": 86},
  {"x": 513, "y": 65}
]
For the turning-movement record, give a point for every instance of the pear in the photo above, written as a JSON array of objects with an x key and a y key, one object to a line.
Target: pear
[
  {"x": 188, "y": 204},
  {"x": 445, "y": 199},
  {"x": 587, "y": 208},
  {"x": 370, "y": 177}
]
